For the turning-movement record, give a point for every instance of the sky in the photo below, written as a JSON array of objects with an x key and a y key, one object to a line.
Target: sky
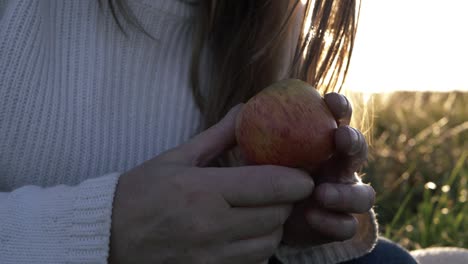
[{"x": 410, "y": 45}]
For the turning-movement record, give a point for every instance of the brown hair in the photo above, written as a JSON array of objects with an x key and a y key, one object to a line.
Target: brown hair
[{"x": 255, "y": 43}]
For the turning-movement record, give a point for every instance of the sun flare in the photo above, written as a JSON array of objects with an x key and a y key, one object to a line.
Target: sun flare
[{"x": 417, "y": 45}]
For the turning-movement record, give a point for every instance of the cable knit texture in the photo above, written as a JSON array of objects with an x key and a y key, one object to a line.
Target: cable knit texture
[{"x": 80, "y": 103}]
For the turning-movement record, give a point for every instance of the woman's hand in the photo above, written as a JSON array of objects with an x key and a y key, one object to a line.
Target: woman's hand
[
  {"x": 173, "y": 210},
  {"x": 327, "y": 215}
]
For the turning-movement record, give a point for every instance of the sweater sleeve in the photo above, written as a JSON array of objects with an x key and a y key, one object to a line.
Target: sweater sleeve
[
  {"x": 362, "y": 243},
  {"x": 61, "y": 224}
]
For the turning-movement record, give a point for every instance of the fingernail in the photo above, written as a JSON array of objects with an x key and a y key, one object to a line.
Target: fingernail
[
  {"x": 355, "y": 141},
  {"x": 371, "y": 196},
  {"x": 344, "y": 103},
  {"x": 340, "y": 101}
]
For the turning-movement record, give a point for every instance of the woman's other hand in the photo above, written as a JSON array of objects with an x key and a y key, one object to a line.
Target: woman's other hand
[
  {"x": 327, "y": 215},
  {"x": 172, "y": 209}
]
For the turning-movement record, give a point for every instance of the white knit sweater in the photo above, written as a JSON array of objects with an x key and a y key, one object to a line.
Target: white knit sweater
[{"x": 79, "y": 104}]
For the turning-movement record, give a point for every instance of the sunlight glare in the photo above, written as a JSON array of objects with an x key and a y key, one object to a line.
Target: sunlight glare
[{"x": 415, "y": 45}]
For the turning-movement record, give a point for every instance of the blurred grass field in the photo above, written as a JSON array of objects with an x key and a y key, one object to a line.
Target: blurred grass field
[{"x": 418, "y": 165}]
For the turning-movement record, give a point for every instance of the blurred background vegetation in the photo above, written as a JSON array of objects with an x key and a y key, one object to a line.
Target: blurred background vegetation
[{"x": 418, "y": 165}]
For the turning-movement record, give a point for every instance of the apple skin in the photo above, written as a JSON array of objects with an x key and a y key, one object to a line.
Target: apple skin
[{"x": 286, "y": 124}]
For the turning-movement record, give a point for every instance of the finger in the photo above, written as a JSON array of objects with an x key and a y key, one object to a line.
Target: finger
[
  {"x": 340, "y": 107},
  {"x": 259, "y": 185},
  {"x": 345, "y": 198},
  {"x": 254, "y": 250},
  {"x": 298, "y": 231},
  {"x": 350, "y": 141},
  {"x": 351, "y": 155},
  {"x": 249, "y": 222},
  {"x": 207, "y": 145},
  {"x": 330, "y": 225}
]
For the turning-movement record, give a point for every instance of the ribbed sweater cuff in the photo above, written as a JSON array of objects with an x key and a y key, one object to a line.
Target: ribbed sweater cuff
[
  {"x": 362, "y": 243},
  {"x": 91, "y": 222}
]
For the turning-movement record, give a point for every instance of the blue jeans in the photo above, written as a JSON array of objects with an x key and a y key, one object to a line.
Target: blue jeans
[{"x": 385, "y": 252}]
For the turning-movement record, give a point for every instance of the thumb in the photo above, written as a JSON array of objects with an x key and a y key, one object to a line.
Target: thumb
[{"x": 209, "y": 144}]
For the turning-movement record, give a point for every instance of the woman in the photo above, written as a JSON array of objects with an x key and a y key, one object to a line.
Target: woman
[{"x": 92, "y": 89}]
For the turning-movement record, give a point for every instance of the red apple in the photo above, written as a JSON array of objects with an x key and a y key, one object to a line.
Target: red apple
[{"x": 287, "y": 124}]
